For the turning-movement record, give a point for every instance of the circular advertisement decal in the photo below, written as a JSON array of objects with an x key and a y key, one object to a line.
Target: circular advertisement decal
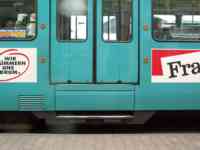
[{"x": 13, "y": 64}]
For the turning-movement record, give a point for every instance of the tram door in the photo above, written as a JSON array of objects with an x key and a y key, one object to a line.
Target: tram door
[{"x": 94, "y": 41}]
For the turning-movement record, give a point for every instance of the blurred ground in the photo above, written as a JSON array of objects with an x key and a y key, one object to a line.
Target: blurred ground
[
  {"x": 166, "y": 131},
  {"x": 139, "y": 141}
]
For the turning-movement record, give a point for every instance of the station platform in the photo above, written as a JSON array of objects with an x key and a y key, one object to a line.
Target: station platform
[{"x": 147, "y": 141}]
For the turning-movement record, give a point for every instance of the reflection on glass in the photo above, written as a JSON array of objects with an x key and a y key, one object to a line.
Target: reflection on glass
[
  {"x": 72, "y": 20},
  {"x": 117, "y": 20},
  {"x": 177, "y": 20},
  {"x": 110, "y": 28}
]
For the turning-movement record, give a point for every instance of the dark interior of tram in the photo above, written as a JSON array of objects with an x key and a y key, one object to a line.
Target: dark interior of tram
[{"x": 10, "y": 11}]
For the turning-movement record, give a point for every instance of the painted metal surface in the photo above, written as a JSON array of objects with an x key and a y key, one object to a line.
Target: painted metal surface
[
  {"x": 94, "y": 100},
  {"x": 71, "y": 60},
  {"x": 117, "y": 61},
  {"x": 162, "y": 96},
  {"x": 10, "y": 93},
  {"x": 141, "y": 95}
]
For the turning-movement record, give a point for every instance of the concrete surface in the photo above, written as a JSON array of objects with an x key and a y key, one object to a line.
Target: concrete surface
[{"x": 147, "y": 141}]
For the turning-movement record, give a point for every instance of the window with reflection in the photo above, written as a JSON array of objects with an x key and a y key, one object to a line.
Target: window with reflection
[
  {"x": 72, "y": 20},
  {"x": 17, "y": 19},
  {"x": 176, "y": 20},
  {"x": 117, "y": 22}
]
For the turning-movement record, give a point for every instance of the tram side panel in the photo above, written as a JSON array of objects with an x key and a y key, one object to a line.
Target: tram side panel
[
  {"x": 170, "y": 79},
  {"x": 24, "y": 56}
]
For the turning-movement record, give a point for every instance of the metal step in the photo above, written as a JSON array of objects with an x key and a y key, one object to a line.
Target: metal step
[{"x": 93, "y": 117}]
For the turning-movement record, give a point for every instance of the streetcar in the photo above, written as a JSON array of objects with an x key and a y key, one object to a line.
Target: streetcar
[{"x": 99, "y": 59}]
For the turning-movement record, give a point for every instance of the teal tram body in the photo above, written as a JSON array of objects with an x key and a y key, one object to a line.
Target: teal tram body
[{"x": 99, "y": 55}]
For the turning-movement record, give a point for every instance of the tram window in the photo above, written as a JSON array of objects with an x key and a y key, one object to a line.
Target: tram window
[
  {"x": 72, "y": 20},
  {"x": 17, "y": 19},
  {"x": 117, "y": 22},
  {"x": 176, "y": 20}
]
